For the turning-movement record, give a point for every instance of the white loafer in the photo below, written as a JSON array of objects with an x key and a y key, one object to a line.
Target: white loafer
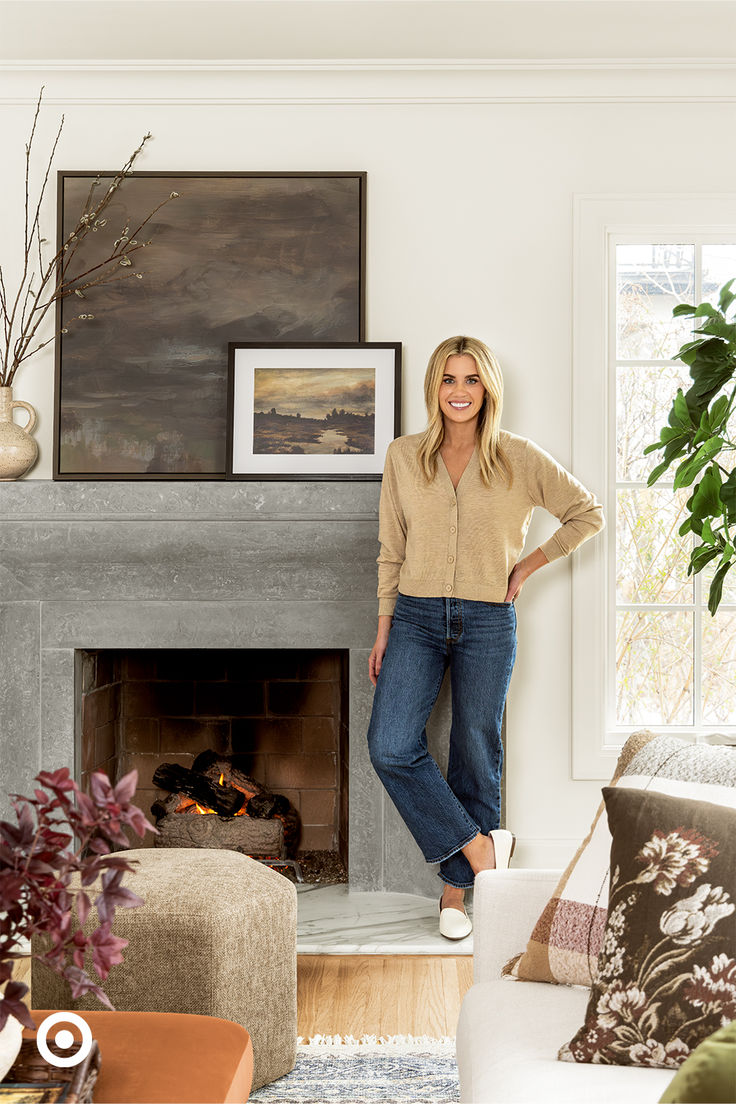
[
  {"x": 453, "y": 923},
  {"x": 504, "y": 843}
]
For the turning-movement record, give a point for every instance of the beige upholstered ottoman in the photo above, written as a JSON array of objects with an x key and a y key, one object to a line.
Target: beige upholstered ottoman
[{"x": 216, "y": 936}]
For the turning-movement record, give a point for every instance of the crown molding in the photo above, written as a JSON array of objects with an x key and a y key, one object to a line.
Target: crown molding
[
  {"x": 375, "y": 82},
  {"x": 367, "y": 65}
]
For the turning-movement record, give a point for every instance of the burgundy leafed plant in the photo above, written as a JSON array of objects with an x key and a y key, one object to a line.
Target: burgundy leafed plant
[{"x": 59, "y": 832}]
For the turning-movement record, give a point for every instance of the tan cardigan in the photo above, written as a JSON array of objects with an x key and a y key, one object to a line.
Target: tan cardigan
[{"x": 439, "y": 542}]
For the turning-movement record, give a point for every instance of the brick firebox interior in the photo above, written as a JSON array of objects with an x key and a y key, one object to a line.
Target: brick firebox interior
[{"x": 284, "y": 709}]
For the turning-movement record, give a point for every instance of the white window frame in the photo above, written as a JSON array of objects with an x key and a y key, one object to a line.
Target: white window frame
[{"x": 598, "y": 221}]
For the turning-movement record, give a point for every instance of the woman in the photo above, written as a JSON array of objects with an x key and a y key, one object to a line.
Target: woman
[{"x": 456, "y": 502}]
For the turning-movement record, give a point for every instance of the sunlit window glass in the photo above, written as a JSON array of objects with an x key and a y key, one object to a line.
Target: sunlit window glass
[{"x": 675, "y": 666}]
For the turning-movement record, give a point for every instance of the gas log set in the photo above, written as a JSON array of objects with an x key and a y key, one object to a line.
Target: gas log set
[{"x": 217, "y": 804}]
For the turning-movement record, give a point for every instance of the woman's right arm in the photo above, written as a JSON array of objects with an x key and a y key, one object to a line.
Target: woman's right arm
[
  {"x": 392, "y": 537},
  {"x": 379, "y": 648}
]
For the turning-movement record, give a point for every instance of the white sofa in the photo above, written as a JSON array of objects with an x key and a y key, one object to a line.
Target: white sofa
[{"x": 509, "y": 1031}]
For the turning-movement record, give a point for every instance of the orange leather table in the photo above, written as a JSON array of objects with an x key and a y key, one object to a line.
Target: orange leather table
[{"x": 166, "y": 1057}]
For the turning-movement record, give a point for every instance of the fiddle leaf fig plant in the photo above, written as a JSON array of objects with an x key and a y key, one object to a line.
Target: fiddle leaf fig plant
[{"x": 699, "y": 432}]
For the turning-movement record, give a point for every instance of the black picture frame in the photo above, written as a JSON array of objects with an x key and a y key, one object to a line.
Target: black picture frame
[
  {"x": 275, "y": 445},
  {"x": 136, "y": 400}
]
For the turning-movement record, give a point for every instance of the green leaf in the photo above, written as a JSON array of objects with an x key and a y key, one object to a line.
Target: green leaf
[
  {"x": 672, "y": 449},
  {"x": 726, "y": 296},
  {"x": 707, "y": 308},
  {"x": 728, "y": 553},
  {"x": 695, "y": 404},
  {"x": 699, "y": 557},
  {"x": 667, "y": 435},
  {"x": 656, "y": 472},
  {"x": 696, "y": 523},
  {"x": 719, "y": 327},
  {"x": 707, "y": 532},
  {"x": 704, "y": 431},
  {"x": 676, "y": 447},
  {"x": 710, "y": 351},
  {"x": 685, "y": 527},
  {"x": 670, "y": 433},
  {"x": 719, "y": 411},
  {"x": 713, "y": 360},
  {"x": 688, "y": 470},
  {"x": 716, "y": 587},
  {"x": 706, "y": 501},
  {"x": 687, "y": 347},
  {"x": 683, "y": 308},
  {"x": 679, "y": 416},
  {"x": 685, "y": 474},
  {"x": 709, "y": 386},
  {"x": 728, "y": 492},
  {"x": 689, "y": 353}
]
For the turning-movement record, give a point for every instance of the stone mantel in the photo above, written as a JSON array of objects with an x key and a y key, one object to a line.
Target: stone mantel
[
  {"x": 240, "y": 499},
  {"x": 191, "y": 541},
  {"x": 193, "y": 564}
]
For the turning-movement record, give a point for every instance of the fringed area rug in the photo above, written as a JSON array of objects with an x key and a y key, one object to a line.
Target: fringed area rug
[{"x": 395, "y": 1069}]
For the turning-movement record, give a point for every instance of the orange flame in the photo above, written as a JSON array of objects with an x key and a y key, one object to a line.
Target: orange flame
[{"x": 189, "y": 805}]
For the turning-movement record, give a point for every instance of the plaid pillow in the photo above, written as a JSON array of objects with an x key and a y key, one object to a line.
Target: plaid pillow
[
  {"x": 667, "y": 972},
  {"x": 567, "y": 937}
]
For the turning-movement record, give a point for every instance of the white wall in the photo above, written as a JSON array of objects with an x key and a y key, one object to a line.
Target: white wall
[{"x": 471, "y": 180}]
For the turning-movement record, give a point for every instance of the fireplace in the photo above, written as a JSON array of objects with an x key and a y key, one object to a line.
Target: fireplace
[
  {"x": 278, "y": 715},
  {"x": 248, "y": 567}
]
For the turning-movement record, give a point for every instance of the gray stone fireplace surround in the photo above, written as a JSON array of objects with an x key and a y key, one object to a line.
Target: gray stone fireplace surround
[{"x": 93, "y": 565}]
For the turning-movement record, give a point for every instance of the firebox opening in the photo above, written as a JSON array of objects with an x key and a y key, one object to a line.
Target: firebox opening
[{"x": 282, "y": 715}]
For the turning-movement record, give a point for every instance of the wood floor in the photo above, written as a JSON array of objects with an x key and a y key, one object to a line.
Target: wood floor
[
  {"x": 381, "y": 994},
  {"x": 373, "y": 994}
]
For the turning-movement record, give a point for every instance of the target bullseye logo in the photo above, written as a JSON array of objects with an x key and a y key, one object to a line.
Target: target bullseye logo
[{"x": 64, "y": 1039}]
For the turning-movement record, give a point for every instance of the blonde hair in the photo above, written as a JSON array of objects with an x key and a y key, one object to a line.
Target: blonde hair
[{"x": 494, "y": 462}]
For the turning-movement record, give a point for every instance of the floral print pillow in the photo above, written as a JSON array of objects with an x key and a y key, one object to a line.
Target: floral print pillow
[{"x": 666, "y": 974}]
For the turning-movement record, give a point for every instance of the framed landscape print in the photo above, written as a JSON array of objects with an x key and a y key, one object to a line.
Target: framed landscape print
[
  {"x": 312, "y": 411},
  {"x": 141, "y": 388}
]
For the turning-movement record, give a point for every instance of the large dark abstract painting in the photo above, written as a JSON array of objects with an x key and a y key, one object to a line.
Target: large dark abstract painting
[{"x": 141, "y": 389}]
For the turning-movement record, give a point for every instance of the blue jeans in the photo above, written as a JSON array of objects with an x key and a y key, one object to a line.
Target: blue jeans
[{"x": 477, "y": 640}]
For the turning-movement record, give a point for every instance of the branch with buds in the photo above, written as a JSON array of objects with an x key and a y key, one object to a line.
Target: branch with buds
[{"x": 22, "y": 314}]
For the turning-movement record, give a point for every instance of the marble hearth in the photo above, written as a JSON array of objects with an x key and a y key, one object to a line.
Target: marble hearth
[{"x": 128, "y": 565}]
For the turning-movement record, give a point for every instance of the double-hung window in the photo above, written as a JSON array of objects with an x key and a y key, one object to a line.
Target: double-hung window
[{"x": 650, "y": 655}]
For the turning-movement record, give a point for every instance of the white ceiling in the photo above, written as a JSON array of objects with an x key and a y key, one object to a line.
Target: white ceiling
[{"x": 64, "y": 30}]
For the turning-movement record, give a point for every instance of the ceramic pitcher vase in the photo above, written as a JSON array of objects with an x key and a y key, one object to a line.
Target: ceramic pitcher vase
[
  {"x": 18, "y": 450},
  {"x": 11, "y": 1037}
]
